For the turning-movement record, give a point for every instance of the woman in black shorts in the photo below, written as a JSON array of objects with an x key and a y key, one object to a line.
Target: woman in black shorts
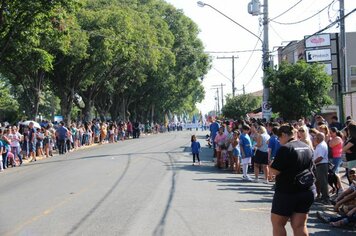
[{"x": 290, "y": 201}]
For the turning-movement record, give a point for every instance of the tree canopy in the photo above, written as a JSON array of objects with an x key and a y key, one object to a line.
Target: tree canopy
[
  {"x": 136, "y": 59},
  {"x": 297, "y": 90},
  {"x": 237, "y": 107}
]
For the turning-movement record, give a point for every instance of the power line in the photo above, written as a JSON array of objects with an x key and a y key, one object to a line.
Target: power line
[
  {"x": 222, "y": 74},
  {"x": 227, "y": 52},
  {"x": 308, "y": 18},
  {"x": 296, "y": 4},
  {"x": 320, "y": 31},
  {"x": 248, "y": 60},
  {"x": 253, "y": 76},
  {"x": 274, "y": 30},
  {"x": 332, "y": 24}
]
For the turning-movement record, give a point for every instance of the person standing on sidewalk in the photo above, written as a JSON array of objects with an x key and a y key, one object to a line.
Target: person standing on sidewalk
[
  {"x": 32, "y": 141},
  {"x": 290, "y": 202},
  {"x": 214, "y": 128},
  {"x": 195, "y": 149},
  {"x": 15, "y": 138},
  {"x": 261, "y": 157},
  {"x": 246, "y": 151},
  {"x": 62, "y": 135},
  {"x": 321, "y": 161}
]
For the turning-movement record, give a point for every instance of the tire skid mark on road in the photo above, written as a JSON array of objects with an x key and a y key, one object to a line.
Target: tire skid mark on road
[
  {"x": 102, "y": 200},
  {"x": 46, "y": 212},
  {"x": 185, "y": 222},
  {"x": 17, "y": 229},
  {"x": 159, "y": 230}
]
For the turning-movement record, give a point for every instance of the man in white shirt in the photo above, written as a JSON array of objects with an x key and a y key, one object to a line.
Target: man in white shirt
[{"x": 321, "y": 161}]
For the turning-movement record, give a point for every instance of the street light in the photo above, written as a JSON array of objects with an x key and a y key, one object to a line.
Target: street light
[
  {"x": 265, "y": 47},
  {"x": 202, "y": 4}
]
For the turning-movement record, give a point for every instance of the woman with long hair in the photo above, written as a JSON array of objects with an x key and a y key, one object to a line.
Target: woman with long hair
[
  {"x": 290, "y": 201},
  {"x": 303, "y": 135},
  {"x": 336, "y": 143},
  {"x": 350, "y": 146}
]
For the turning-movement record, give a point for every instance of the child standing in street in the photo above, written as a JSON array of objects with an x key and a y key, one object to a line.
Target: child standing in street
[{"x": 195, "y": 149}]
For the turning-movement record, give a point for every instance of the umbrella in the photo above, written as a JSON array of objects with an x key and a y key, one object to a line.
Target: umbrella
[{"x": 27, "y": 122}]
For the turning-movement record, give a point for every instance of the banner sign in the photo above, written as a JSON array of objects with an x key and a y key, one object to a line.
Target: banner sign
[
  {"x": 318, "y": 55},
  {"x": 320, "y": 40}
]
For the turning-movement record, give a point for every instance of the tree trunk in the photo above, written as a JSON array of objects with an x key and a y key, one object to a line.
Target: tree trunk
[
  {"x": 152, "y": 112},
  {"x": 88, "y": 109},
  {"x": 123, "y": 109},
  {"x": 36, "y": 103},
  {"x": 67, "y": 105}
]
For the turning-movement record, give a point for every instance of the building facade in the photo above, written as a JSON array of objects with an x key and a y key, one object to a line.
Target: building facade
[{"x": 324, "y": 49}]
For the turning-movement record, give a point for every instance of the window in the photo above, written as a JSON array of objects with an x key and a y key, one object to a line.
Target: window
[{"x": 353, "y": 71}]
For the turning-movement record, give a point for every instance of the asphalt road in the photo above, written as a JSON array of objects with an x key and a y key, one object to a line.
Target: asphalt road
[{"x": 136, "y": 187}]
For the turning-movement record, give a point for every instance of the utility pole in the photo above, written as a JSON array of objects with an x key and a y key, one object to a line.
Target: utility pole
[
  {"x": 265, "y": 49},
  {"x": 254, "y": 8},
  {"x": 233, "y": 71},
  {"x": 222, "y": 95},
  {"x": 243, "y": 89},
  {"x": 217, "y": 98},
  {"x": 217, "y": 87},
  {"x": 343, "y": 61}
]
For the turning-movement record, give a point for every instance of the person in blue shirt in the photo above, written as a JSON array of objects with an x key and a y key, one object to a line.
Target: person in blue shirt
[
  {"x": 246, "y": 151},
  {"x": 62, "y": 135},
  {"x": 273, "y": 146},
  {"x": 195, "y": 149},
  {"x": 1, "y": 159},
  {"x": 214, "y": 128}
]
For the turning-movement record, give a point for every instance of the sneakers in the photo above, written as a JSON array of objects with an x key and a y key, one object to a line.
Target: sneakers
[
  {"x": 322, "y": 217},
  {"x": 246, "y": 178},
  {"x": 323, "y": 201},
  {"x": 256, "y": 180}
]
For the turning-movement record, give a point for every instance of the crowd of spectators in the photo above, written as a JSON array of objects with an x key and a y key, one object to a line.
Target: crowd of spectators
[
  {"x": 281, "y": 151},
  {"x": 31, "y": 140}
]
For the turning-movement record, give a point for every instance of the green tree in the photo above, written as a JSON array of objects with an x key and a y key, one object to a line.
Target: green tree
[
  {"x": 237, "y": 107},
  {"x": 29, "y": 31},
  {"x": 297, "y": 90},
  {"x": 8, "y": 103}
]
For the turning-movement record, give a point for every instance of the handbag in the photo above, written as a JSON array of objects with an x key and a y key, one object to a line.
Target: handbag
[{"x": 305, "y": 179}]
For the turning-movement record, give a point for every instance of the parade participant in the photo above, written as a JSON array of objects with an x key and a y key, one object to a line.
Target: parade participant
[
  {"x": 290, "y": 201},
  {"x": 195, "y": 149},
  {"x": 246, "y": 151}
]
